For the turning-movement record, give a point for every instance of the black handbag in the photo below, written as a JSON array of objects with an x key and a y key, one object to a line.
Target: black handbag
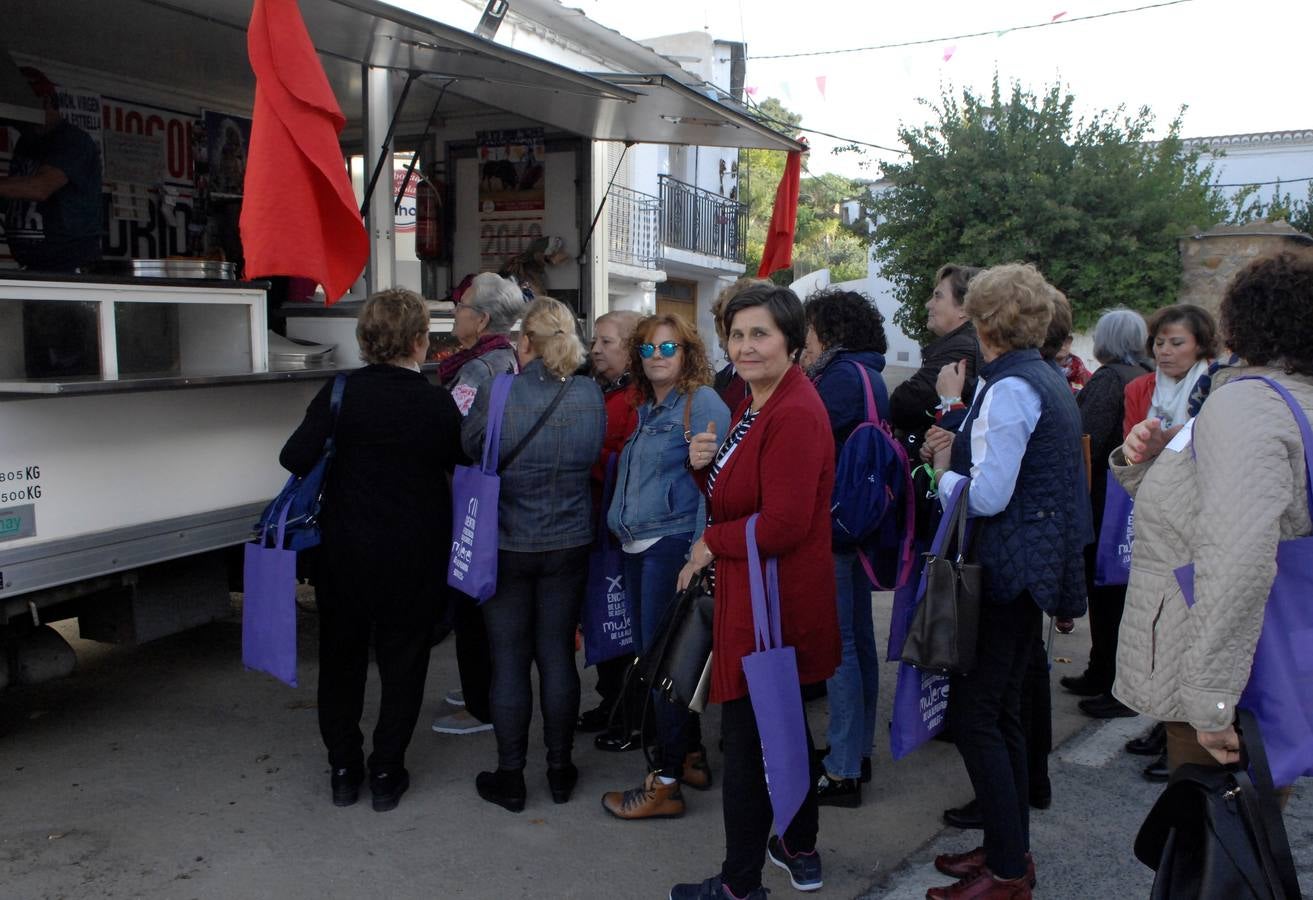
[
  {"x": 943, "y": 631},
  {"x": 678, "y": 663},
  {"x": 1217, "y": 834}
]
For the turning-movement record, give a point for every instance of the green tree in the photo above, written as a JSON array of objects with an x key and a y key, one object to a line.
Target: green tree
[
  {"x": 1246, "y": 206},
  {"x": 1000, "y": 178}
]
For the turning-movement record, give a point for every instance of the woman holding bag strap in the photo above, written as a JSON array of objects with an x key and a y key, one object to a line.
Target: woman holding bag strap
[
  {"x": 778, "y": 460},
  {"x": 545, "y": 527}
]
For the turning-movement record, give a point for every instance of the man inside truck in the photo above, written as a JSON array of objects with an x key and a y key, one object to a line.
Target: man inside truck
[{"x": 52, "y": 220}]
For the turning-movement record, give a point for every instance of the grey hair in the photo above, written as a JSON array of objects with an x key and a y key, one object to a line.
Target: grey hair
[
  {"x": 624, "y": 320},
  {"x": 1119, "y": 337},
  {"x": 500, "y": 299}
]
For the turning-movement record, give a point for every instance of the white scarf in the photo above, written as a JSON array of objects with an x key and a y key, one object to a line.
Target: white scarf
[{"x": 1171, "y": 396}]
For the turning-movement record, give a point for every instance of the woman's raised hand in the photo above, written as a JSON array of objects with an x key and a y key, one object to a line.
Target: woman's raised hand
[
  {"x": 702, "y": 448},
  {"x": 1147, "y": 440}
]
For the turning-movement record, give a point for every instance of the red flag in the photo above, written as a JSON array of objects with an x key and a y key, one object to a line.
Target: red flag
[
  {"x": 299, "y": 214},
  {"x": 778, "y": 253}
]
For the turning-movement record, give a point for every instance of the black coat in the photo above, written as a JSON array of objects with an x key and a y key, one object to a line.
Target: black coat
[
  {"x": 912, "y": 404},
  {"x": 387, "y": 502}
]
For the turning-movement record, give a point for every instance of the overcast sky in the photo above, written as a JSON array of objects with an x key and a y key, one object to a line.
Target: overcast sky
[{"x": 1238, "y": 66}]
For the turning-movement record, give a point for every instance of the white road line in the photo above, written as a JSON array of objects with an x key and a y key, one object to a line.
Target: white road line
[{"x": 1105, "y": 742}]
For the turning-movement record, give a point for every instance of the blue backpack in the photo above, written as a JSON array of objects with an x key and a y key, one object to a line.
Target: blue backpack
[
  {"x": 873, "y": 503},
  {"x": 294, "y": 514}
]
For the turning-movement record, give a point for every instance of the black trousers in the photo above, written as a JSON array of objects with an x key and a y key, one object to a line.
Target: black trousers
[
  {"x": 985, "y": 715},
  {"x": 401, "y": 652},
  {"x": 531, "y": 621},
  {"x": 1037, "y": 714},
  {"x": 747, "y": 810},
  {"x": 1107, "y": 603},
  {"x": 473, "y": 660}
]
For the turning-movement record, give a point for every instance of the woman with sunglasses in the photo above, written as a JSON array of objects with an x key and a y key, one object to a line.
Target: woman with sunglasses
[{"x": 656, "y": 512}]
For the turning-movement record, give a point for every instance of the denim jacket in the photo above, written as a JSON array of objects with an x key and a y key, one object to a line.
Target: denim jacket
[
  {"x": 655, "y": 496},
  {"x": 545, "y": 501}
]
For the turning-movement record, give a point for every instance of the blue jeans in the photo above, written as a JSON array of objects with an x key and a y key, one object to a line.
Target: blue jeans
[
  {"x": 854, "y": 689},
  {"x": 650, "y": 578}
]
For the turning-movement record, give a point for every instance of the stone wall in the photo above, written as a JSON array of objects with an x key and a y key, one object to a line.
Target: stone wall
[{"x": 1210, "y": 260}]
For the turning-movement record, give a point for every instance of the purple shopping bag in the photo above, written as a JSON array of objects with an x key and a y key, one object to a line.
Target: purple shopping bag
[
  {"x": 475, "y": 491},
  {"x": 776, "y": 694},
  {"x": 607, "y": 625},
  {"x": 1112, "y": 555},
  {"x": 269, "y": 605},
  {"x": 920, "y": 698},
  {"x": 1280, "y": 688}
]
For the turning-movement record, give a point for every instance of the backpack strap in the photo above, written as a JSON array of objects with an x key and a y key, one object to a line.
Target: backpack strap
[{"x": 872, "y": 414}]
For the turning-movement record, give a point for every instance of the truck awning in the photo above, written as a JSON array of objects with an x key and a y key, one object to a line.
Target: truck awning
[{"x": 198, "y": 47}]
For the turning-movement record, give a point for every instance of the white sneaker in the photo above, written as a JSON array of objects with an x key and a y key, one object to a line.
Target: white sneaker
[
  {"x": 455, "y": 697},
  {"x": 460, "y": 722}
]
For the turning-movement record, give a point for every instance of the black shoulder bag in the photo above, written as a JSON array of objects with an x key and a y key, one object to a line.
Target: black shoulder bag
[{"x": 1217, "y": 834}]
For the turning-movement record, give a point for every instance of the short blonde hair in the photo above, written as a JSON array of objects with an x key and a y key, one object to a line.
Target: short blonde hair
[
  {"x": 550, "y": 328},
  {"x": 1011, "y": 306},
  {"x": 728, "y": 294},
  {"x": 389, "y": 324}
]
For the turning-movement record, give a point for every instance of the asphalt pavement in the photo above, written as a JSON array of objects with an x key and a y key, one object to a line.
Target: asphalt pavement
[{"x": 167, "y": 771}]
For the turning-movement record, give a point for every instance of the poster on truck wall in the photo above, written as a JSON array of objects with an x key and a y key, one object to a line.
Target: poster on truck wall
[{"x": 512, "y": 193}]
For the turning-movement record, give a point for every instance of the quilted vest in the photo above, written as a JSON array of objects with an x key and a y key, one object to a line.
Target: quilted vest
[{"x": 1037, "y": 542}]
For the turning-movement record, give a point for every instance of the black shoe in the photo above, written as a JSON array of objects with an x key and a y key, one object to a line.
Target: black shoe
[
  {"x": 846, "y": 792},
  {"x": 1041, "y": 793},
  {"x": 1106, "y": 706},
  {"x": 1156, "y": 771},
  {"x": 503, "y": 787},
  {"x": 387, "y": 788},
  {"x": 562, "y": 782},
  {"x": 1083, "y": 685},
  {"x": 1152, "y": 743},
  {"x": 967, "y": 816},
  {"x": 346, "y": 786},
  {"x": 595, "y": 719},
  {"x": 818, "y": 757},
  {"x": 617, "y": 742}
]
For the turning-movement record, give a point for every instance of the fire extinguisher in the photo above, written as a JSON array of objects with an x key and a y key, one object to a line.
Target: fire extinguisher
[{"x": 430, "y": 245}]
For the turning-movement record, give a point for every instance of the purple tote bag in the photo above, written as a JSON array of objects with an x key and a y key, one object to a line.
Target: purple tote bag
[
  {"x": 1280, "y": 688},
  {"x": 607, "y": 625},
  {"x": 776, "y": 694},
  {"x": 920, "y": 698},
  {"x": 1112, "y": 555},
  {"x": 475, "y": 491},
  {"x": 269, "y": 606}
]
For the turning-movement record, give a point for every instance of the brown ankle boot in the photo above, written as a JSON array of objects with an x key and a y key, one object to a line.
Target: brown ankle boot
[
  {"x": 653, "y": 800},
  {"x": 697, "y": 774}
]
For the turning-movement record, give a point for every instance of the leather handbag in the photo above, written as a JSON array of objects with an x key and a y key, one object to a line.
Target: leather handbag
[
  {"x": 1216, "y": 832},
  {"x": 677, "y": 663},
  {"x": 942, "y": 634}
]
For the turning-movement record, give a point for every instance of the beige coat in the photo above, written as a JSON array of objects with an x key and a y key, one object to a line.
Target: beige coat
[{"x": 1225, "y": 507}]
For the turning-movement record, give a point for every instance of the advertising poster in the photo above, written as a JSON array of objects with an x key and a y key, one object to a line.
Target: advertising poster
[
  {"x": 227, "y": 137},
  {"x": 512, "y": 193}
]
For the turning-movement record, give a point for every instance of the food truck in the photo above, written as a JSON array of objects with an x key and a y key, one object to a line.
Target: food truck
[{"x": 143, "y": 401}]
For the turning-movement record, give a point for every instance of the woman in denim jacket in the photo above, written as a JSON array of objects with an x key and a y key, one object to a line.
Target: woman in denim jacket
[
  {"x": 656, "y": 512},
  {"x": 544, "y": 529}
]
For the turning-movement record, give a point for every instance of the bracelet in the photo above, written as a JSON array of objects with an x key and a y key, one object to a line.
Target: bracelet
[{"x": 947, "y": 403}]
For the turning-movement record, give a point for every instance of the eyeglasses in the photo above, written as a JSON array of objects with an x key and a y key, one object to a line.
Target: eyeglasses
[{"x": 667, "y": 348}]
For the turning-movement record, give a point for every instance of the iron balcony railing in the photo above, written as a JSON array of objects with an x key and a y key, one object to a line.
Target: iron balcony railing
[
  {"x": 635, "y": 226},
  {"x": 702, "y": 221}
]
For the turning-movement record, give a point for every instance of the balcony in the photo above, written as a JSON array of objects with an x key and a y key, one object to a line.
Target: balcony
[
  {"x": 702, "y": 221},
  {"x": 635, "y": 227}
]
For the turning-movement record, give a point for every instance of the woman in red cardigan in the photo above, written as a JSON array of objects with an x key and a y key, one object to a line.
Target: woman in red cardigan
[{"x": 778, "y": 460}]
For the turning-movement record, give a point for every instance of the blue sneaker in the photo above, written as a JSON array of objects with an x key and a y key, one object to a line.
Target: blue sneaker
[
  {"x": 713, "y": 889},
  {"x": 804, "y": 868}
]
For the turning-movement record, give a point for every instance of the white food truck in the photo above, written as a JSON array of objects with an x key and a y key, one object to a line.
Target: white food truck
[{"x": 141, "y": 406}]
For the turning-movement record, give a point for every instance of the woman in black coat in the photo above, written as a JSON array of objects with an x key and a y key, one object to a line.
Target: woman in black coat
[{"x": 386, "y": 524}]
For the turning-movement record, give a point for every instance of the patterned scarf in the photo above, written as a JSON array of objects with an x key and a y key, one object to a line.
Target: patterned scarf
[
  {"x": 827, "y": 356},
  {"x": 449, "y": 367}
]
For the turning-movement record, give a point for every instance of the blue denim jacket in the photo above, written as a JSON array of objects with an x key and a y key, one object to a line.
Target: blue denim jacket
[
  {"x": 545, "y": 501},
  {"x": 655, "y": 495}
]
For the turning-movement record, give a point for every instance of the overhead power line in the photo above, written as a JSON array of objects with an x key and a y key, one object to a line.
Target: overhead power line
[
  {"x": 1261, "y": 183},
  {"x": 974, "y": 34}
]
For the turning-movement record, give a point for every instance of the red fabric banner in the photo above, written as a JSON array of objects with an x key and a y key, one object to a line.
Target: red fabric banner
[
  {"x": 778, "y": 253},
  {"x": 299, "y": 214}
]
